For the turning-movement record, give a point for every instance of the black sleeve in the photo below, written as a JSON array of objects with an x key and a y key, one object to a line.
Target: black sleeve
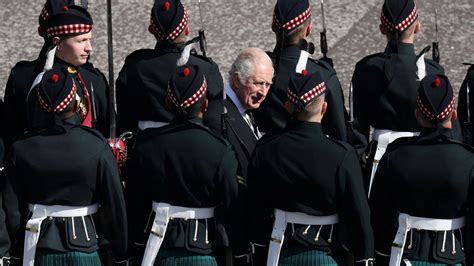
[
  {"x": 14, "y": 206},
  {"x": 383, "y": 208},
  {"x": 469, "y": 243},
  {"x": 139, "y": 199},
  {"x": 467, "y": 128},
  {"x": 261, "y": 216},
  {"x": 14, "y": 123},
  {"x": 227, "y": 189},
  {"x": 113, "y": 211},
  {"x": 355, "y": 212},
  {"x": 334, "y": 120},
  {"x": 360, "y": 106},
  {"x": 103, "y": 118},
  {"x": 126, "y": 120}
]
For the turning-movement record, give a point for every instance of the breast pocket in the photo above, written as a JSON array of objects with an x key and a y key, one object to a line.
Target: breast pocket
[{"x": 81, "y": 234}]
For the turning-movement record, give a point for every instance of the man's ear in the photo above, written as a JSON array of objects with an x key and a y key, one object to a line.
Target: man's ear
[
  {"x": 186, "y": 31},
  {"x": 235, "y": 81}
]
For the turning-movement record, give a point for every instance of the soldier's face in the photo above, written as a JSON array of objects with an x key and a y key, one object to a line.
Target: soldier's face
[
  {"x": 253, "y": 92},
  {"x": 75, "y": 50}
]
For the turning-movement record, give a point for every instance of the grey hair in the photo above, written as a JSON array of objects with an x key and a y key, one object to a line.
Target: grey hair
[{"x": 245, "y": 61}]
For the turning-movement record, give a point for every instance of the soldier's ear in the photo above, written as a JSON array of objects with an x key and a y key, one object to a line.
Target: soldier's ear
[
  {"x": 454, "y": 115},
  {"x": 417, "y": 27},
  {"x": 309, "y": 29},
  {"x": 324, "y": 108},
  {"x": 382, "y": 29},
  {"x": 204, "y": 106},
  {"x": 56, "y": 41}
]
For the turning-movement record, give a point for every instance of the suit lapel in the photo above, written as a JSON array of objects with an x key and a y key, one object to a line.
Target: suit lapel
[{"x": 240, "y": 128}]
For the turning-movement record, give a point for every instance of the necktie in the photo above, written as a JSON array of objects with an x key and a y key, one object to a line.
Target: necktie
[
  {"x": 87, "y": 120},
  {"x": 250, "y": 120}
]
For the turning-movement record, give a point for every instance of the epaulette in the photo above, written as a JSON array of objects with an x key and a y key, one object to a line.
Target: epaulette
[
  {"x": 323, "y": 64},
  {"x": 205, "y": 58},
  {"x": 370, "y": 57},
  {"x": 25, "y": 63},
  {"x": 434, "y": 65},
  {"x": 346, "y": 146},
  {"x": 138, "y": 55},
  {"x": 94, "y": 132}
]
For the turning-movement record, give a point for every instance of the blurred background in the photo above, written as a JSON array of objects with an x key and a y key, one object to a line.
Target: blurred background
[{"x": 232, "y": 25}]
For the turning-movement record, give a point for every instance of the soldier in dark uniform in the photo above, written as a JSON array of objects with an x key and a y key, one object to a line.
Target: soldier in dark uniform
[
  {"x": 466, "y": 106},
  {"x": 385, "y": 84},
  {"x": 422, "y": 197},
  {"x": 313, "y": 187},
  {"x": 62, "y": 197},
  {"x": 291, "y": 24},
  {"x": 143, "y": 80},
  {"x": 250, "y": 77},
  {"x": 4, "y": 236},
  {"x": 181, "y": 182},
  {"x": 24, "y": 73}
]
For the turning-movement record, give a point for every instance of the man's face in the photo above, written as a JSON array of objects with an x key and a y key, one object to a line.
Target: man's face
[
  {"x": 76, "y": 49},
  {"x": 253, "y": 92}
]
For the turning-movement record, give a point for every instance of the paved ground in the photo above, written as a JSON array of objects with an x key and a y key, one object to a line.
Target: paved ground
[{"x": 232, "y": 25}]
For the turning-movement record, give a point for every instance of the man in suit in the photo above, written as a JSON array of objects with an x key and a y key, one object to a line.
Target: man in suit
[
  {"x": 422, "y": 197},
  {"x": 250, "y": 78}
]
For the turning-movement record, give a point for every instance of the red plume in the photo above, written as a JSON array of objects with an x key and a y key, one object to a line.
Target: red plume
[
  {"x": 166, "y": 6},
  {"x": 304, "y": 72},
  {"x": 186, "y": 72},
  {"x": 55, "y": 78},
  {"x": 65, "y": 8},
  {"x": 437, "y": 83}
]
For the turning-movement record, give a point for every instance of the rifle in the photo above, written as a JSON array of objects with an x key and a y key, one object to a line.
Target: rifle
[
  {"x": 436, "y": 56},
  {"x": 323, "y": 39}
]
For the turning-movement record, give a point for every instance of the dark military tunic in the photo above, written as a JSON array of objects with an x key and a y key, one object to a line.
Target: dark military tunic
[
  {"x": 19, "y": 84},
  {"x": 427, "y": 176},
  {"x": 465, "y": 116},
  {"x": 385, "y": 88},
  {"x": 272, "y": 115},
  {"x": 302, "y": 170},
  {"x": 182, "y": 164},
  {"x": 84, "y": 172},
  {"x": 143, "y": 81}
]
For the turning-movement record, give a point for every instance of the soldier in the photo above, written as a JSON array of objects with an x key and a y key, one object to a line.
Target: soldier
[
  {"x": 250, "y": 77},
  {"x": 143, "y": 80},
  {"x": 426, "y": 183},
  {"x": 61, "y": 197},
  {"x": 187, "y": 175},
  {"x": 314, "y": 188},
  {"x": 385, "y": 84},
  {"x": 465, "y": 106},
  {"x": 291, "y": 24},
  {"x": 24, "y": 73}
]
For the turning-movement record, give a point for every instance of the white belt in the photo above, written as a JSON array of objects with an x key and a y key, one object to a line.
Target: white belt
[
  {"x": 164, "y": 212},
  {"x": 282, "y": 218},
  {"x": 407, "y": 222},
  {"x": 383, "y": 138},
  {"x": 40, "y": 212},
  {"x": 142, "y": 125}
]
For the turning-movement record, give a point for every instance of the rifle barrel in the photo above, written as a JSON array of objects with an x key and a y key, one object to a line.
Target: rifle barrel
[{"x": 110, "y": 52}]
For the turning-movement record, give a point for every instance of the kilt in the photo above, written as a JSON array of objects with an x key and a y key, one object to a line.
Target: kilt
[
  {"x": 301, "y": 256},
  {"x": 183, "y": 257},
  {"x": 47, "y": 257}
]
